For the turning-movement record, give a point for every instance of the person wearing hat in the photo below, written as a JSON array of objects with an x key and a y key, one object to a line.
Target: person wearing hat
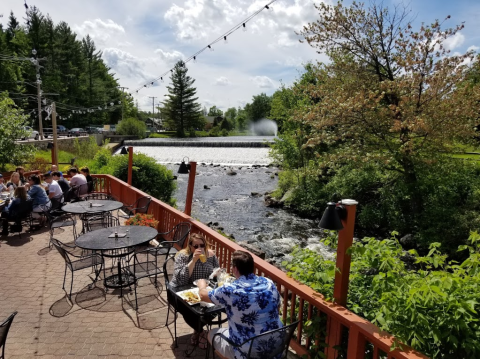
[{"x": 2, "y": 184}]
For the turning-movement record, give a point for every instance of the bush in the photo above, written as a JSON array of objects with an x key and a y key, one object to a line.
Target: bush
[
  {"x": 432, "y": 305},
  {"x": 147, "y": 174},
  {"x": 131, "y": 127}
]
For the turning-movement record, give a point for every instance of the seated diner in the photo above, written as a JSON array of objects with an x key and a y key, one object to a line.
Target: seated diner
[
  {"x": 15, "y": 208},
  {"x": 14, "y": 181},
  {"x": 76, "y": 179},
  {"x": 39, "y": 197}
]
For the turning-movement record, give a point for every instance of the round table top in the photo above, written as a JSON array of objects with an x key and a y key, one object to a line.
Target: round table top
[
  {"x": 98, "y": 205},
  {"x": 99, "y": 239}
]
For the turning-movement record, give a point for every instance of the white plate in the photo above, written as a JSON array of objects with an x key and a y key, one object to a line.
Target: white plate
[{"x": 194, "y": 291}]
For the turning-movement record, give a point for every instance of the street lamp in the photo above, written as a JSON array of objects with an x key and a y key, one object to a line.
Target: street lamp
[{"x": 191, "y": 169}]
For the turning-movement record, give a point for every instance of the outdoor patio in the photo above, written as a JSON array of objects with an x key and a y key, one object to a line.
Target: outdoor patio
[{"x": 94, "y": 324}]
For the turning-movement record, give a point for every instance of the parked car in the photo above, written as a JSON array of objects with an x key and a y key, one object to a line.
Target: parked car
[
  {"x": 77, "y": 132},
  {"x": 93, "y": 129},
  {"x": 61, "y": 131},
  {"x": 31, "y": 133}
]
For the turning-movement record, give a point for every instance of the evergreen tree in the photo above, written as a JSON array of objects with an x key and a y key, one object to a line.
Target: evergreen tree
[{"x": 182, "y": 111}]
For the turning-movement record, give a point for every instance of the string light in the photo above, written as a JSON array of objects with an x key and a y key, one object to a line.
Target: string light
[
  {"x": 225, "y": 40},
  {"x": 241, "y": 25}
]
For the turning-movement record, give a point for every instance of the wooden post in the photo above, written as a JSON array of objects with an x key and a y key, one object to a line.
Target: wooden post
[
  {"x": 342, "y": 276},
  {"x": 54, "y": 128},
  {"x": 191, "y": 186},
  {"x": 130, "y": 164}
]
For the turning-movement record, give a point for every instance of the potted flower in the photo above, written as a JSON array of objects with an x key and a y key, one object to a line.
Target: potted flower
[{"x": 142, "y": 219}]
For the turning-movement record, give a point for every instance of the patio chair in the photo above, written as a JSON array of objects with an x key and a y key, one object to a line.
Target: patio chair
[
  {"x": 267, "y": 345},
  {"x": 93, "y": 221},
  {"x": 140, "y": 206},
  {"x": 76, "y": 262},
  {"x": 23, "y": 216},
  {"x": 177, "y": 235},
  {"x": 4, "y": 328},
  {"x": 144, "y": 264},
  {"x": 83, "y": 191},
  {"x": 168, "y": 266}
]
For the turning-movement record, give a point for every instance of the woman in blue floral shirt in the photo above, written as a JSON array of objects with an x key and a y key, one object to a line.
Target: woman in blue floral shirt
[{"x": 251, "y": 303}]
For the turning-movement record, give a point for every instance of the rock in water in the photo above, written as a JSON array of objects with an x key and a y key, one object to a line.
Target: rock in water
[{"x": 251, "y": 248}]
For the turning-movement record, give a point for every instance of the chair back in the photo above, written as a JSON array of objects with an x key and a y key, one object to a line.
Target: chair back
[
  {"x": 168, "y": 267},
  {"x": 63, "y": 252},
  {"x": 272, "y": 343},
  {"x": 181, "y": 233},
  {"x": 90, "y": 186},
  {"x": 142, "y": 204},
  {"x": 56, "y": 202},
  {"x": 22, "y": 209},
  {"x": 71, "y": 194},
  {"x": 83, "y": 189},
  {"x": 4, "y": 328},
  {"x": 95, "y": 220}
]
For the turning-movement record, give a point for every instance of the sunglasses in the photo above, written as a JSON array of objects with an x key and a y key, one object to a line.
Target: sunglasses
[{"x": 198, "y": 246}]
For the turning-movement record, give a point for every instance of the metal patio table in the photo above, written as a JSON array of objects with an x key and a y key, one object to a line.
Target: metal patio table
[
  {"x": 84, "y": 208},
  {"x": 104, "y": 241}
]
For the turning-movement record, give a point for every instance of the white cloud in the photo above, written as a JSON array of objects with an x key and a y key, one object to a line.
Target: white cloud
[
  {"x": 263, "y": 81},
  {"x": 454, "y": 41},
  {"x": 104, "y": 33},
  {"x": 125, "y": 64},
  {"x": 222, "y": 81},
  {"x": 169, "y": 58}
]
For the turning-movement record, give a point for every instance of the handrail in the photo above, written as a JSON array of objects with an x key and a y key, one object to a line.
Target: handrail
[{"x": 295, "y": 295}]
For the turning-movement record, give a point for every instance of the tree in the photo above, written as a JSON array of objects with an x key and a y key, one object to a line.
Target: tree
[
  {"x": 182, "y": 111},
  {"x": 12, "y": 121},
  {"x": 131, "y": 127},
  {"x": 259, "y": 108},
  {"x": 214, "y": 111},
  {"x": 390, "y": 94}
]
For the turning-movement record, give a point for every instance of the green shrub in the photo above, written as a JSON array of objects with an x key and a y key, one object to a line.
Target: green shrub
[
  {"x": 147, "y": 175},
  {"x": 131, "y": 127},
  {"x": 431, "y": 305}
]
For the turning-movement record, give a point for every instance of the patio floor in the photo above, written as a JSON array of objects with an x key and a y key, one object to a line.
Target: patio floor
[{"x": 94, "y": 324}]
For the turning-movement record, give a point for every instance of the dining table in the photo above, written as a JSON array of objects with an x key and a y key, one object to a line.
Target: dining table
[
  {"x": 91, "y": 207},
  {"x": 116, "y": 242}
]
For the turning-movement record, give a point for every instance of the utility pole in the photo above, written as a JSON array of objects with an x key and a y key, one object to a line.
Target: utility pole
[
  {"x": 123, "y": 89},
  {"x": 153, "y": 105},
  {"x": 54, "y": 127},
  {"x": 36, "y": 62}
]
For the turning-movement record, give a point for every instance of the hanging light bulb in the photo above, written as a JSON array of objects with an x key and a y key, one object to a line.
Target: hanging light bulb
[
  {"x": 144, "y": 85},
  {"x": 105, "y": 107},
  {"x": 99, "y": 108},
  {"x": 244, "y": 27},
  {"x": 161, "y": 79},
  {"x": 152, "y": 82},
  {"x": 210, "y": 47},
  {"x": 119, "y": 102},
  {"x": 195, "y": 59},
  {"x": 225, "y": 41},
  {"x": 266, "y": 7},
  {"x": 111, "y": 103}
]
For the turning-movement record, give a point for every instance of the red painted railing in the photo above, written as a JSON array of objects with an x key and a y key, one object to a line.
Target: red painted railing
[{"x": 299, "y": 301}]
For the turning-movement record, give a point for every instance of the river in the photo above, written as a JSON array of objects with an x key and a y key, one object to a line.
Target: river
[{"x": 235, "y": 203}]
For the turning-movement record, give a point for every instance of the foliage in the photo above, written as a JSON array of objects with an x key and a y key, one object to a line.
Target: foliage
[
  {"x": 181, "y": 109},
  {"x": 86, "y": 149},
  {"x": 259, "y": 108},
  {"x": 214, "y": 111},
  {"x": 73, "y": 68},
  {"x": 12, "y": 121},
  {"x": 141, "y": 219},
  {"x": 147, "y": 175},
  {"x": 131, "y": 127},
  {"x": 425, "y": 301}
]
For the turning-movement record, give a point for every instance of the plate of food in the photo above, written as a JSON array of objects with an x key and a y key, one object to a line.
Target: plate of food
[{"x": 191, "y": 295}]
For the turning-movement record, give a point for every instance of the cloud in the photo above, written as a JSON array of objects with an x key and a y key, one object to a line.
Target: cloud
[
  {"x": 454, "y": 41},
  {"x": 222, "y": 81},
  {"x": 104, "y": 33},
  {"x": 169, "y": 57},
  {"x": 263, "y": 81},
  {"x": 125, "y": 64}
]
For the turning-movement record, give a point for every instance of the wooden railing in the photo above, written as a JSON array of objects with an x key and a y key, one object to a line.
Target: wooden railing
[{"x": 358, "y": 336}]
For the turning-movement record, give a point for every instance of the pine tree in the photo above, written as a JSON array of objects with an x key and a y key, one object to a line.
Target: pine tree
[{"x": 182, "y": 111}]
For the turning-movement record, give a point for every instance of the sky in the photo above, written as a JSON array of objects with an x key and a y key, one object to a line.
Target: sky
[{"x": 142, "y": 39}]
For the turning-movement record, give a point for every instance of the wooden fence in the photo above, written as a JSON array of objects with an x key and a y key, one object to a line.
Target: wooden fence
[{"x": 358, "y": 338}]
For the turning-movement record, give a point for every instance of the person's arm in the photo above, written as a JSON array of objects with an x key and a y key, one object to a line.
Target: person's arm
[{"x": 202, "y": 285}]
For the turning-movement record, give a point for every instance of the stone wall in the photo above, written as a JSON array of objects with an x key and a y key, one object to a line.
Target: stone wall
[{"x": 63, "y": 143}]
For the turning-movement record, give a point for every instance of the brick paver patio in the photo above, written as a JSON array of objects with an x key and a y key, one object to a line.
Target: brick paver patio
[{"x": 94, "y": 324}]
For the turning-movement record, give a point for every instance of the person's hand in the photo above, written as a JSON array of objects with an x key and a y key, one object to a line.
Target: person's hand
[
  {"x": 196, "y": 254},
  {"x": 202, "y": 284}
]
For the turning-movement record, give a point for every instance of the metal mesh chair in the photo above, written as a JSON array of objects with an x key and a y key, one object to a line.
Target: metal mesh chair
[
  {"x": 146, "y": 263},
  {"x": 177, "y": 235},
  {"x": 76, "y": 262},
  {"x": 168, "y": 267},
  {"x": 4, "y": 328},
  {"x": 140, "y": 206},
  {"x": 267, "y": 345},
  {"x": 93, "y": 221}
]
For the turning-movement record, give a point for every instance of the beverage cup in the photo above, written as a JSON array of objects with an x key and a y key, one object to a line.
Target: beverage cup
[{"x": 203, "y": 258}]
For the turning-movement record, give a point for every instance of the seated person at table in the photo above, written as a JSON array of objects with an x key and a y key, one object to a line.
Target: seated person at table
[
  {"x": 40, "y": 199},
  {"x": 188, "y": 268},
  {"x": 54, "y": 189},
  {"x": 14, "y": 208},
  {"x": 251, "y": 303},
  {"x": 14, "y": 181},
  {"x": 86, "y": 172},
  {"x": 20, "y": 170},
  {"x": 77, "y": 178},
  {"x": 62, "y": 182},
  {"x": 2, "y": 184},
  {"x": 55, "y": 169}
]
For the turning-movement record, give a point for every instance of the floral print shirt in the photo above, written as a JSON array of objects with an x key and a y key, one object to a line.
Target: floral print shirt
[{"x": 251, "y": 303}]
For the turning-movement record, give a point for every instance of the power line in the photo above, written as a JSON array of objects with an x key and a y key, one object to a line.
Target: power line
[{"x": 224, "y": 37}]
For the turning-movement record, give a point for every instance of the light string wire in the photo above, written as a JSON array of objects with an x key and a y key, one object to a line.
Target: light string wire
[{"x": 224, "y": 36}]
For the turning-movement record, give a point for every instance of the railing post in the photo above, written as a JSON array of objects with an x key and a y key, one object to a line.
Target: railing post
[
  {"x": 130, "y": 165},
  {"x": 190, "y": 187}
]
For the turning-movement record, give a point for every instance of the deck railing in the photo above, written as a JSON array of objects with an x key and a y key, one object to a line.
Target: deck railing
[{"x": 358, "y": 338}]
